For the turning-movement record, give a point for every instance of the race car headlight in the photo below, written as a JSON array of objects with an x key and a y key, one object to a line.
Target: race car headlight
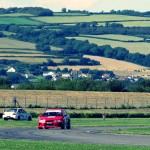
[
  {"x": 41, "y": 121},
  {"x": 58, "y": 121}
]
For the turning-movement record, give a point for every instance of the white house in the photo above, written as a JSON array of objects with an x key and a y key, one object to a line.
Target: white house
[
  {"x": 50, "y": 73},
  {"x": 82, "y": 75},
  {"x": 66, "y": 76},
  {"x": 11, "y": 69}
]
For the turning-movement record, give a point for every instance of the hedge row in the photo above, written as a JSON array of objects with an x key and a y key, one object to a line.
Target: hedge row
[{"x": 99, "y": 115}]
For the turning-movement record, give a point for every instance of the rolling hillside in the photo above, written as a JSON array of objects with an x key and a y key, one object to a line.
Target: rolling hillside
[{"x": 11, "y": 49}]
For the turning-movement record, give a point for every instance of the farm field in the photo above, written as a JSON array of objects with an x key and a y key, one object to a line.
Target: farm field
[
  {"x": 26, "y": 60},
  {"x": 135, "y": 23},
  {"x": 10, "y": 43},
  {"x": 18, "y": 20},
  {"x": 133, "y": 47},
  {"x": 132, "y": 23},
  {"x": 15, "y": 15},
  {"x": 118, "y": 67},
  {"x": 69, "y": 14},
  {"x": 19, "y": 51},
  {"x": 76, "y": 99},
  {"x": 23, "y": 51},
  {"x": 98, "y": 18},
  {"x": 115, "y": 37}
]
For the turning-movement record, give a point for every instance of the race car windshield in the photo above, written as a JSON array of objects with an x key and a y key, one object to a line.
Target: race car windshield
[
  {"x": 52, "y": 114},
  {"x": 12, "y": 110}
]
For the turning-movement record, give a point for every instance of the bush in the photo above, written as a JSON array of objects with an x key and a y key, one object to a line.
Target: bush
[{"x": 34, "y": 114}]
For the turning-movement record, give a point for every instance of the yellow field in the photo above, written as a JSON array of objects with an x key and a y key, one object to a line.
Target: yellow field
[
  {"x": 74, "y": 98},
  {"x": 98, "y": 18},
  {"x": 141, "y": 47},
  {"x": 118, "y": 67}
]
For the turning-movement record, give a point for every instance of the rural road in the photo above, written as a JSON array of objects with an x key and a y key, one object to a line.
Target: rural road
[{"x": 76, "y": 134}]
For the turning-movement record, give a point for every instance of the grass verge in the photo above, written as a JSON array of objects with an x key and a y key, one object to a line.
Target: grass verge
[
  {"x": 34, "y": 145},
  {"x": 85, "y": 122}
]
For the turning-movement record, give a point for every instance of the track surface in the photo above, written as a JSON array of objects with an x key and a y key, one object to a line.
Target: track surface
[{"x": 75, "y": 134}]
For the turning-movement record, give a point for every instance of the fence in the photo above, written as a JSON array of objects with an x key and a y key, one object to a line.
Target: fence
[{"x": 75, "y": 102}]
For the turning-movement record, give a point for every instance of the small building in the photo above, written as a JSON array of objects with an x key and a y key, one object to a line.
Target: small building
[
  {"x": 106, "y": 76},
  {"x": 11, "y": 69},
  {"x": 49, "y": 73},
  {"x": 66, "y": 76}
]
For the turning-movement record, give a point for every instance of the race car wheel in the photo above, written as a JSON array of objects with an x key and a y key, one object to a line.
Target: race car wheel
[
  {"x": 29, "y": 118},
  {"x": 63, "y": 125},
  {"x": 68, "y": 125},
  {"x": 5, "y": 119},
  {"x": 18, "y": 118}
]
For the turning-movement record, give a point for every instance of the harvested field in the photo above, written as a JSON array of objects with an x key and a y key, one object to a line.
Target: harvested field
[
  {"x": 118, "y": 67},
  {"x": 113, "y": 64},
  {"x": 76, "y": 99}
]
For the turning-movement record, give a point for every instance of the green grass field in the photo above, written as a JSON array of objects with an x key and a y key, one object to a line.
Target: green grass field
[
  {"x": 131, "y": 23},
  {"x": 17, "y": 20},
  {"x": 135, "y": 23},
  {"x": 16, "y": 15},
  {"x": 85, "y": 122},
  {"x": 114, "y": 37},
  {"x": 43, "y": 145},
  {"x": 10, "y": 43},
  {"x": 98, "y": 18},
  {"x": 23, "y": 51},
  {"x": 133, "y": 47},
  {"x": 69, "y": 14}
]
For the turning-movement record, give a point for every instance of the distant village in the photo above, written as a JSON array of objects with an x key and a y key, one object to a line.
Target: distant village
[{"x": 54, "y": 75}]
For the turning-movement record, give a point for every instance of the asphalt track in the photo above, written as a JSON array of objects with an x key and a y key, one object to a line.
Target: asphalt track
[{"x": 75, "y": 134}]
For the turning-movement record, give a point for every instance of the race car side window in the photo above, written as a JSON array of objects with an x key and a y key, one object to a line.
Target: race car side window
[
  {"x": 20, "y": 110},
  {"x": 64, "y": 112}
]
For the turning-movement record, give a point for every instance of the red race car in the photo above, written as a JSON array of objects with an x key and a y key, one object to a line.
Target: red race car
[{"x": 54, "y": 118}]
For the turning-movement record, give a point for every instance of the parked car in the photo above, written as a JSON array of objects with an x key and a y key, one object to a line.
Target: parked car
[
  {"x": 54, "y": 118},
  {"x": 16, "y": 114}
]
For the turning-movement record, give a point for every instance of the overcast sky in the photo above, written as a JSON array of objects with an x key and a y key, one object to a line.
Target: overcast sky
[{"x": 90, "y": 5}]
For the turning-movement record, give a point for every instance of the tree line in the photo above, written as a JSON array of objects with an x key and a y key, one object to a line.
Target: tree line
[
  {"x": 85, "y": 84},
  {"x": 38, "y": 11}
]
